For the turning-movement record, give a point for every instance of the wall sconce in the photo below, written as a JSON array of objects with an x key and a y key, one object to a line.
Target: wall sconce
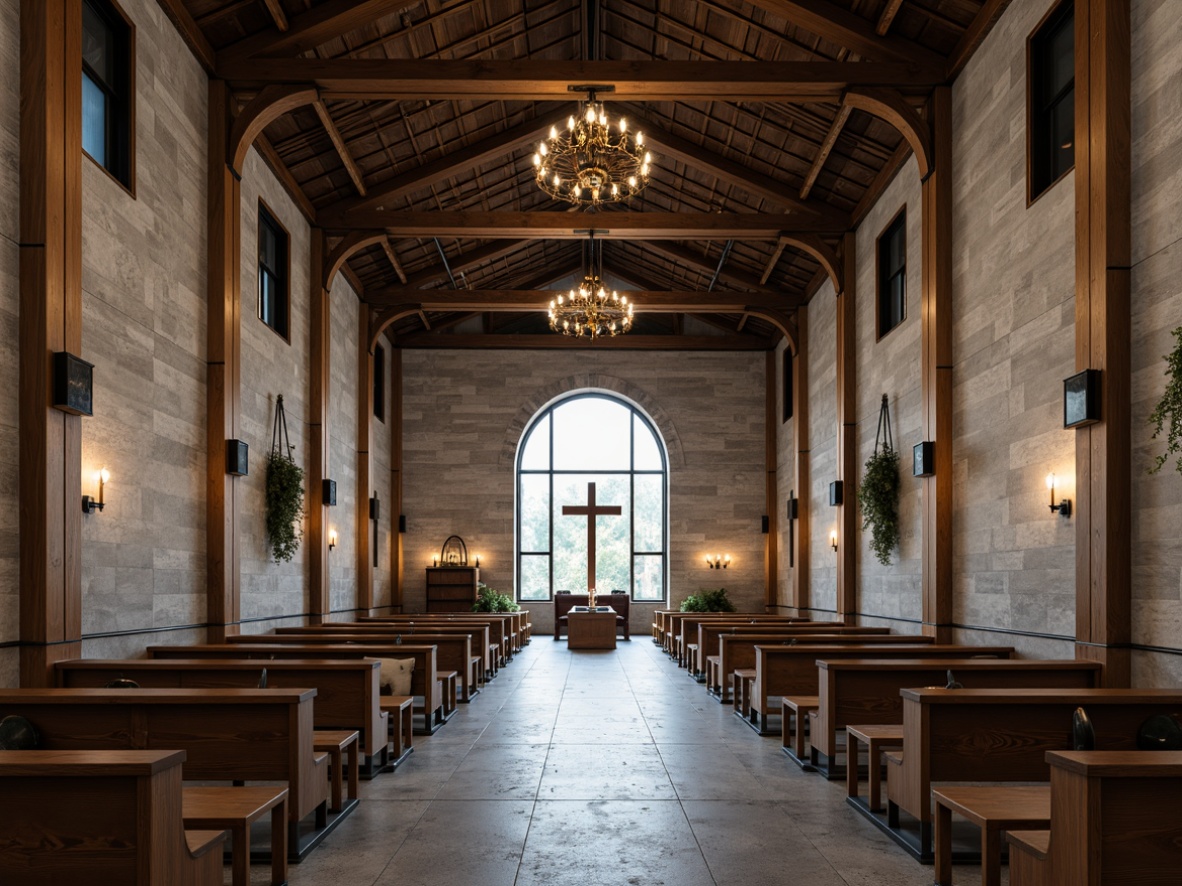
[
  {"x": 328, "y": 494},
  {"x": 718, "y": 561},
  {"x": 1064, "y": 506},
  {"x": 477, "y": 561},
  {"x": 833, "y": 539},
  {"x": 435, "y": 562},
  {"x": 836, "y": 493},
  {"x": 89, "y": 505},
  {"x": 332, "y": 539}
]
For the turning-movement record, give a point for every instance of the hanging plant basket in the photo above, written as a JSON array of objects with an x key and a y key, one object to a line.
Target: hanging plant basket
[
  {"x": 878, "y": 495},
  {"x": 285, "y": 492},
  {"x": 1167, "y": 415}
]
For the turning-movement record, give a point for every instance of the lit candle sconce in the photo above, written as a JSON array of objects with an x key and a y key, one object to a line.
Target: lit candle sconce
[
  {"x": 833, "y": 539},
  {"x": 90, "y": 505},
  {"x": 477, "y": 561},
  {"x": 332, "y": 539},
  {"x": 718, "y": 561},
  {"x": 1064, "y": 506},
  {"x": 435, "y": 562}
]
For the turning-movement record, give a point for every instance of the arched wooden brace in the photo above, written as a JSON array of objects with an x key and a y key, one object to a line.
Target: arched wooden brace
[
  {"x": 343, "y": 251},
  {"x": 822, "y": 252},
  {"x": 381, "y": 318},
  {"x": 271, "y": 103},
  {"x": 778, "y": 319},
  {"x": 889, "y": 105}
]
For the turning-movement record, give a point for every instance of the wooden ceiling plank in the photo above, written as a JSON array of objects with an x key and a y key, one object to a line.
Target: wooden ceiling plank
[
  {"x": 553, "y": 341},
  {"x": 393, "y": 259},
  {"x": 969, "y": 41},
  {"x": 575, "y": 225},
  {"x": 888, "y": 16},
  {"x": 323, "y": 23},
  {"x": 191, "y": 33},
  {"x": 843, "y": 114},
  {"x": 848, "y": 30},
  {"x": 535, "y": 80},
  {"x": 448, "y": 165},
  {"x": 470, "y": 259},
  {"x": 513, "y": 300},
  {"x": 277, "y": 14},
  {"x": 683, "y": 256},
  {"x": 772, "y": 262},
  {"x": 334, "y": 135}
]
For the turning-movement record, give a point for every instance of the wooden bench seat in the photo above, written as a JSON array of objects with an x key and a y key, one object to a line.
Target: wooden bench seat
[
  {"x": 881, "y": 742},
  {"x": 796, "y": 710},
  {"x": 993, "y": 809},
  {"x": 235, "y": 809},
  {"x": 339, "y": 744},
  {"x": 741, "y": 682},
  {"x": 101, "y": 818},
  {"x": 1029, "y": 851},
  {"x": 399, "y": 710}
]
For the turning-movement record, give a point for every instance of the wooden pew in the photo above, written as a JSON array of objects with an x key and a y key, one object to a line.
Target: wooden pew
[
  {"x": 424, "y": 680},
  {"x": 690, "y": 632},
  {"x": 737, "y": 650},
  {"x": 708, "y": 645},
  {"x": 346, "y": 690},
  {"x": 989, "y": 735},
  {"x": 659, "y": 624},
  {"x": 488, "y": 637},
  {"x": 499, "y": 633},
  {"x": 672, "y": 625},
  {"x": 1114, "y": 820},
  {"x": 866, "y": 691},
  {"x": 103, "y": 818},
  {"x": 228, "y": 734},
  {"x": 792, "y": 670},
  {"x": 453, "y": 651}
]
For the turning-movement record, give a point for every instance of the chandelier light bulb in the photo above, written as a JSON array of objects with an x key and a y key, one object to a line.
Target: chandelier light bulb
[
  {"x": 623, "y": 125},
  {"x": 590, "y": 114},
  {"x": 640, "y": 138}
]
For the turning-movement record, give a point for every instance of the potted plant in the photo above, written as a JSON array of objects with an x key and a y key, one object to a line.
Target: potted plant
[
  {"x": 878, "y": 496},
  {"x": 284, "y": 492},
  {"x": 491, "y": 600},
  {"x": 708, "y": 601}
]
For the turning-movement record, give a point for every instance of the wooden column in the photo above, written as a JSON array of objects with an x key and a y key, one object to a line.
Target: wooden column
[
  {"x": 1102, "y": 330},
  {"x": 365, "y": 405},
  {"x": 223, "y": 372},
  {"x": 395, "y": 419},
  {"x": 319, "y": 602},
  {"x": 771, "y": 493},
  {"x": 801, "y": 478},
  {"x": 847, "y": 436},
  {"x": 50, "y": 320},
  {"x": 936, "y": 372}
]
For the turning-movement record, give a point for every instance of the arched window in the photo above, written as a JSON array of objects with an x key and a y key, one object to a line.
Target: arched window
[{"x": 585, "y": 439}]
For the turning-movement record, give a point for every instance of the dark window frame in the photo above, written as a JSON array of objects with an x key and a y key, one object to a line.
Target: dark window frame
[
  {"x": 1039, "y": 132},
  {"x": 282, "y": 325},
  {"x": 786, "y": 381},
  {"x": 120, "y": 117},
  {"x": 884, "y": 275},
  {"x": 379, "y": 383}
]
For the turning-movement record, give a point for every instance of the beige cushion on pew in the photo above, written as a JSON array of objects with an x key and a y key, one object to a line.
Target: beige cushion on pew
[{"x": 395, "y": 678}]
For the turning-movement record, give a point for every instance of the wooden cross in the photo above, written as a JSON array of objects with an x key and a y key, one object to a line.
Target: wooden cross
[{"x": 591, "y": 511}]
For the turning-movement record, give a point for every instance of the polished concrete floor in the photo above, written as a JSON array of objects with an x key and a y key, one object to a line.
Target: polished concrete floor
[{"x": 602, "y": 769}]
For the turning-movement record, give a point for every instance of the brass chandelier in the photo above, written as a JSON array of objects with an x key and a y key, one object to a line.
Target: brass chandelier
[
  {"x": 587, "y": 163},
  {"x": 591, "y": 311}
]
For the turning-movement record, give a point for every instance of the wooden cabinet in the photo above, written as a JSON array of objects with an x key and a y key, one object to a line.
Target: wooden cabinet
[{"x": 451, "y": 588}]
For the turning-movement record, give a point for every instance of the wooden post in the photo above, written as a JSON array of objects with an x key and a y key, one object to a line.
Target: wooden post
[
  {"x": 365, "y": 406},
  {"x": 1103, "y": 248},
  {"x": 50, "y": 320},
  {"x": 847, "y": 435},
  {"x": 395, "y": 420},
  {"x": 771, "y": 493},
  {"x": 319, "y": 602},
  {"x": 802, "y": 479},
  {"x": 936, "y": 372},
  {"x": 223, "y": 372}
]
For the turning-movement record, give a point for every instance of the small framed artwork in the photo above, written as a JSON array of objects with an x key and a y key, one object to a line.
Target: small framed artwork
[{"x": 1081, "y": 399}]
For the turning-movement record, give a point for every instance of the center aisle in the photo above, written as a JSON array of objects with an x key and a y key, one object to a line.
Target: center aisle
[{"x": 602, "y": 769}]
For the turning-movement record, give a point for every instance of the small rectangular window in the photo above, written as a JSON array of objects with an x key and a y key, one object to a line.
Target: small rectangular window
[
  {"x": 273, "y": 272},
  {"x": 892, "y": 274},
  {"x": 1051, "y": 99},
  {"x": 787, "y": 382},
  {"x": 108, "y": 120},
  {"x": 379, "y": 383}
]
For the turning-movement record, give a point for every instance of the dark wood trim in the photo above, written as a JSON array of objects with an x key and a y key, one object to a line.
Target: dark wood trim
[
  {"x": 320, "y": 384},
  {"x": 397, "y": 560},
  {"x": 286, "y": 280},
  {"x": 1103, "y": 248},
  {"x": 771, "y": 490},
  {"x": 552, "y": 341},
  {"x": 847, "y": 434},
  {"x": 363, "y": 564},
  {"x": 936, "y": 374},
  {"x": 516, "y": 300},
  {"x": 50, "y": 320},
  {"x": 802, "y": 479},
  {"x": 191, "y": 33},
  {"x": 879, "y": 335},
  {"x": 893, "y": 107},
  {"x": 290, "y": 185}
]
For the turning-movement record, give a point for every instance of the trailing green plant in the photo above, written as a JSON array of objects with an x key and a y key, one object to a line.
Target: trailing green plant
[
  {"x": 878, "y": 495},
  {"x": 708, "y": 601},
  {"x": 491, "y": 600},
  {"x": 1169, "y": 408},
  {"x": 284, "y": 496}
]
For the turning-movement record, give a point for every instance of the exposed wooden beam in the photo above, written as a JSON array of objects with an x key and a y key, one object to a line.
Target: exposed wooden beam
[
  {"x": 269, "y": 104},
  {"x": 887, "y": 17},
  {"x": 503, "y": 301},
  {"x": 528, "y": 80},
  {"x": 974, "y": 35},
  {"x": 843, "y": 114},
  {"x": 552, "y": 341},
  {"x": 319, "y": 433},
  {"x": 470, "y": 259},
  {"x": 802, "y": 481},
  {"x": 271, "y": 157},
  {"x": 364, "y": 529},
  {"x": 450, "y": 164},
  {"x": 891, "y": 106},
  {"x": 679, "y": 253},
  {"x": 313, "y": 28},
  {"x": 575, "y": 225},
  {"x": 393, "y": 259},
  {"x": 277, "y": 14},
  {"x": 726, "y": 170},
  {"x": 771, "y": 263},
  {"x": 848, "y": 30},
  {"x": 771, "y": 457},
  {"x": 334, "y": 135},
  {"x": 191, "y": 33},
  {"x": 885, "y": 176},
  {"x": 846, "y": 468}
]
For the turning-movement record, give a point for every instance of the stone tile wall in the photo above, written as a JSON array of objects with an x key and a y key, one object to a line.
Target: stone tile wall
[
  {"x": 465, "y": 411},
  {"x": 822, "y": 319},
  {"x": 342, "y": 411}
]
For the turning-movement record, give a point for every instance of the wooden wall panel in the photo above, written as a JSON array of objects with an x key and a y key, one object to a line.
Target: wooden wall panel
[
  {"x": 847, "y": 435},
  {"x": 801, "y": 478},
  {"x": 771, "y": 538},
  {"x": 365, "y": 405},
  {"x": 320, "y": 381}
]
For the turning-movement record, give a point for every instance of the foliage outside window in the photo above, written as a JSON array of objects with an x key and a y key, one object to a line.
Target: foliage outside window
[
  {"x": 107, "y": 94},
  {"x": 1051, "y": 99},
  {"x": 892, "y": 275},
  {"x": 273, "y": 273},
  {"x": 591, "y": 438}
]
